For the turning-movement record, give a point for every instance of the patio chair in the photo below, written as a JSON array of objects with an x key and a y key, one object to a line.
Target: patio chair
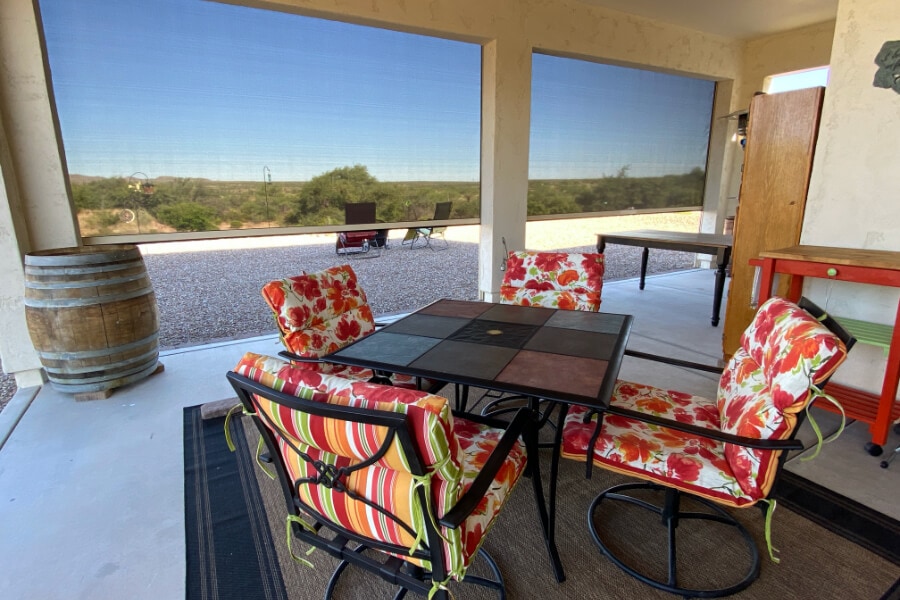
[
  {"x": 725, "y": 451},
  {"x": 356, "y": 243},
  {"x": 424, "y": 237},
  {"x": 383, "y": 478},
  {"x": 563, "y": 280},
  {"x": 319, "y": 313}
]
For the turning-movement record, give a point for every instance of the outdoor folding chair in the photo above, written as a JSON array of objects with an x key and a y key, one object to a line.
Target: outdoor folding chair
[
  {"x": 425, "y": 237},
  {"x": 357, "y": 243}
]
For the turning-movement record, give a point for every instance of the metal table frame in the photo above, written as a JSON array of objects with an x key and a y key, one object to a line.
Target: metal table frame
[{"x": 381, "y": 361}]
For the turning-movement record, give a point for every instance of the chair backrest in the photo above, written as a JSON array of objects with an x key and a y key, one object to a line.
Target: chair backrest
[
  {"x": 319, "y": 313},
  {"x": 570, "y": 281},
  {"x": 359, "y": 213},
  {"x": 376, "y": 463},
  {"x": 784, "y": 354},
  {"x": 441, "y": 213}
]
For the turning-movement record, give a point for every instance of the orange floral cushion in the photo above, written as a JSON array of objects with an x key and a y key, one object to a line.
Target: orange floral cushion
[
  {"x": 569, "y": 281},
  {"x": 454, "y": 450},
  {"x": 691, "y": 463},
  {"x": 783, "y": 353},
  {"x": 319, "y": 313}
]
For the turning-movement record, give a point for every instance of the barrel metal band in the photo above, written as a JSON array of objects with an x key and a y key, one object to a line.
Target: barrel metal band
[
  {"x": 123, "y": 367},
  {"x": 58, "y": 270},
  {"x": 75, "y": 302},
  {"x": 69, "y": 355}
]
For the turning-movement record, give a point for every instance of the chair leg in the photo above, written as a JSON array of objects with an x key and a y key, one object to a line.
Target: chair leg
[
  {"x": 494, "y": 581},
  {"x": 504, "y": 404},
  {"x": 671, "y": 516}
]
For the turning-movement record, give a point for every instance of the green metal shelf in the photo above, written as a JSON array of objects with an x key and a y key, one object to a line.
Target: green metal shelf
[{"x": 873, "y": 334}]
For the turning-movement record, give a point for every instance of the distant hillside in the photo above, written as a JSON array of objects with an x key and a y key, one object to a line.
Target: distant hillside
[{"x": 82, "y": 179}]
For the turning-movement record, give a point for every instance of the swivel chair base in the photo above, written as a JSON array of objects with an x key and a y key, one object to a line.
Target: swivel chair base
[{"x": 671, "y": 514}]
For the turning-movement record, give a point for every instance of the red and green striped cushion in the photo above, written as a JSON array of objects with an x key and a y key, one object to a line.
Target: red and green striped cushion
[{"x": 454, "y": 450}]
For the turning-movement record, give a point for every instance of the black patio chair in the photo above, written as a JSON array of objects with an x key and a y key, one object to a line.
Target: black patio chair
[
  {"x": 713, "y": 453},
  {"x": 423, "y": 524}
]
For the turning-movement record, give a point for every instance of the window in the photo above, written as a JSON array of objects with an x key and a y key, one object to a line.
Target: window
[
  {"x": 607, "y": 138},
  {"x": 190, "y": 115},
  {"x": 796, "y": 80}
]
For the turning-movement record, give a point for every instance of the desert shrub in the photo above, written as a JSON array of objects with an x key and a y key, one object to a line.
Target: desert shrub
[{"x": 187, "y": 216}]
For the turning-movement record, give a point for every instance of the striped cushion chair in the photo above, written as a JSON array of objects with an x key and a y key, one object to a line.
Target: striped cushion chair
[
  {"x": 320, "y": 313},
  {"x": 723, "y": 451},
  {"x": 385, "y": 467},
  {"x": 564, "y": 280}
]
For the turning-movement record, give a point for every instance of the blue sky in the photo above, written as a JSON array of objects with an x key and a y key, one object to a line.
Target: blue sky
[{"x": 191, "y": 88}]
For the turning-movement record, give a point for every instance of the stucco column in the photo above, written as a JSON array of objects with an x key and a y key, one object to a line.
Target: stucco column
[
  {"x": 16, "y": 351},
  {"x": 721, "y": 153},
  {"x": 505, "y": 129},
  {"x": 35, "y": 210}
]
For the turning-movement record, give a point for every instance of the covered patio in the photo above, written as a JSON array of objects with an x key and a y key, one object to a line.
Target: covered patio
[
  {"x": 99, "y": 485},
  {"x": 93, "y": 492}
]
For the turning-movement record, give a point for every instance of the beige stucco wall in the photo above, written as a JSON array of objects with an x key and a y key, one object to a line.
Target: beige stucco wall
[
  {"x": 31, "y": 132},
  {"x": 854, "y": 198},
  {"x": 18, "y": 357},
  {"x": 793, "y": 50}
]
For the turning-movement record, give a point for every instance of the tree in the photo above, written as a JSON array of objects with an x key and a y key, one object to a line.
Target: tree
[
  {"x": 187, "y": 216},
  {"x": 329, "y": 192}
]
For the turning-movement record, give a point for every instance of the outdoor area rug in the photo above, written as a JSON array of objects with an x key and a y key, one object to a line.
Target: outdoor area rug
[
  {"x": 869, "y": 528},
  {"x": 236, "y": 550}
]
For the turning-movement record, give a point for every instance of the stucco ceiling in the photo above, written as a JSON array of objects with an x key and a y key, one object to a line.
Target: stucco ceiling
[{"x": 730, "y": 18}]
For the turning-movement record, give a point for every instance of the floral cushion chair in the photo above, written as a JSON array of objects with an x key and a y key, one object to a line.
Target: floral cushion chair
[
  {"x": 320, "y": 313},
  {"x": 563, "y": 280},
  {"x": 386, "y": 467},
  {"x": 723, "y": 451},
  {"x": 567, "y": 281}
]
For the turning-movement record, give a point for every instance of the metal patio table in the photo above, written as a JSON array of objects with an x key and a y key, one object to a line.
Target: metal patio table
[{"x": 564, "y": 356}]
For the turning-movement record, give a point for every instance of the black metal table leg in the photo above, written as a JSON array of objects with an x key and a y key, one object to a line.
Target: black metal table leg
[
  {"x": 645, "y": 257},
  {"x": 548, "y": 521},
  {"x": 554, "y": 476},
  {"x": 719, "y": 290}
]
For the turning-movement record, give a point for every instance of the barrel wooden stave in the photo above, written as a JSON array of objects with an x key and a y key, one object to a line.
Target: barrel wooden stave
[{"x": 92, "y": 316}]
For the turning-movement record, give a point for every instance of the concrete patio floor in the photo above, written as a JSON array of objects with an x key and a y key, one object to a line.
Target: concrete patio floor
[{"x": 92, "y": 493}]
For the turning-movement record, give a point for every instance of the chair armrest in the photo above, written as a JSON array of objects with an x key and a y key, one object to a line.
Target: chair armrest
[
  {"x": 469, "y": 501},
  {"x": 713, "y": 434},
  {"x": 674, "y": 361},
  {"x": 286, "y": 354}
]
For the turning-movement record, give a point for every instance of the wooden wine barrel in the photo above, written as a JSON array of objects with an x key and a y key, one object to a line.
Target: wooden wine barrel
[{"x": 92, "y": 316}]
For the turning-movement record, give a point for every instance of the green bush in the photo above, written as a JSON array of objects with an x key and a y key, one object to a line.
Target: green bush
[{"x": 187, "y": 216}]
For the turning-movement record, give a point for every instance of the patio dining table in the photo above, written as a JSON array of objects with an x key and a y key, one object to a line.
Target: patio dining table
[{"x": 567, "y": 357}]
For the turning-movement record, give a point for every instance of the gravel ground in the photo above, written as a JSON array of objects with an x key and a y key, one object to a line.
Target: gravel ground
[{"x": 210, "y": 291}]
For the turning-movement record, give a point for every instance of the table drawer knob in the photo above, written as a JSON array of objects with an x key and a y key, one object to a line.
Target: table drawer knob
[{"x": 831, "y": 272}]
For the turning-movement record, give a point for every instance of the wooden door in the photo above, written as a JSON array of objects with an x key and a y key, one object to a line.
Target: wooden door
[{"x": 781, "y": 139}]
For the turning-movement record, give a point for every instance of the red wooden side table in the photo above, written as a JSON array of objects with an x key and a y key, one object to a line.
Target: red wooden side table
[{"x": 876, "y": 267}]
